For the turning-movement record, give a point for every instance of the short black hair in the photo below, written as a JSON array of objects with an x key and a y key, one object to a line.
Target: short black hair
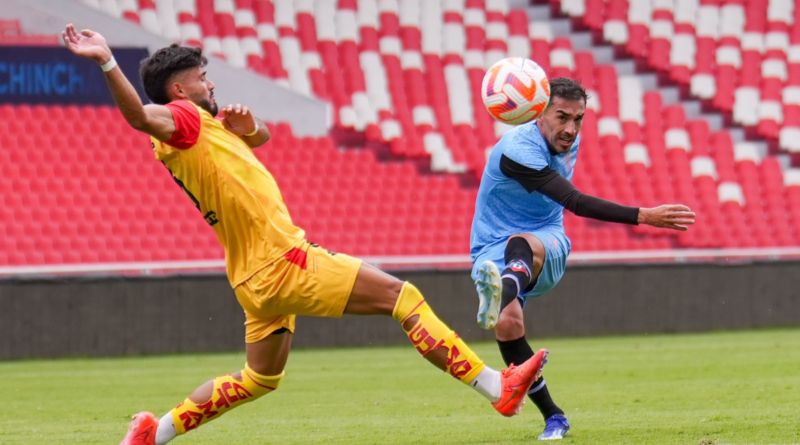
[
  {"x": 567, "y": 89},
  {"x": 156, "y": 70}
]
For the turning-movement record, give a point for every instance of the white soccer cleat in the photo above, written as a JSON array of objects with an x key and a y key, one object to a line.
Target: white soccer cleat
[{"x": 490, "y": 291}]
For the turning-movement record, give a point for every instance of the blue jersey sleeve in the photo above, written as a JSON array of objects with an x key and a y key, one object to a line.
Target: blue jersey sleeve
[{"x": 527, "y": 151}]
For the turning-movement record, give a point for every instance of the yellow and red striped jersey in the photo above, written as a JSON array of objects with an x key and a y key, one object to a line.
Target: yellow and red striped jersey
[{"x": 233, "y": 190}]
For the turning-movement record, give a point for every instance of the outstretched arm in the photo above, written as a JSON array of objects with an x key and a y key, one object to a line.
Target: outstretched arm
[
  {"x": 155, "y": 120},
  {"x": 556, "y": 187}
]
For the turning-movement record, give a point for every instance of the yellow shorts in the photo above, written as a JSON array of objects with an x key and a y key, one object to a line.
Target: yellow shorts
[{"x": 308, "y": 280}]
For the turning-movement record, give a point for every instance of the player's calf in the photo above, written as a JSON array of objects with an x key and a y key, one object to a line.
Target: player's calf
[
  {"x": 227, "y": 392},
  {"x": 444, "y": 348},
  {"x": 432, "y": 338}
]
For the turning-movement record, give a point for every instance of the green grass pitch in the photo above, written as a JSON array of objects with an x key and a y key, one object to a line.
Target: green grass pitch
[{"x": 723, "y": 388}]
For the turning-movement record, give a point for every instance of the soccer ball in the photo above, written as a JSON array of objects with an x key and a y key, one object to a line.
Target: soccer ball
[{"x": 515, "y": 90}]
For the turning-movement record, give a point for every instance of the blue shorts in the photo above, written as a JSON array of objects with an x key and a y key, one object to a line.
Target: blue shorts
[{"x": 557, "y": 247}]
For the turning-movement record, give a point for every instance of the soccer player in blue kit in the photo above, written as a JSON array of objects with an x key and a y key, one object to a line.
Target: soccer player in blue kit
[{"x": 518, "y": 245}]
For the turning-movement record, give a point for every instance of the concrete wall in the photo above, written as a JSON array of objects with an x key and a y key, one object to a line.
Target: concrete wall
[
  {"x": 268, "y": 100},
  {"x": 128, "y": 316}
]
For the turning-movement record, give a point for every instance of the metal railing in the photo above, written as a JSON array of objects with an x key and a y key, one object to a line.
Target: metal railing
[{"x": 418, "y": 262}]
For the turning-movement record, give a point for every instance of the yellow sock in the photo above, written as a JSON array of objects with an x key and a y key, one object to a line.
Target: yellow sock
[
  {"x": 429, "y": 333},
  {"x": 228, "y": 393}
]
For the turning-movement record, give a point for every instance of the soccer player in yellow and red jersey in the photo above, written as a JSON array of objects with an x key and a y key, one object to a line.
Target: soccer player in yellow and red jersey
[{"x": 275, "y": 273}]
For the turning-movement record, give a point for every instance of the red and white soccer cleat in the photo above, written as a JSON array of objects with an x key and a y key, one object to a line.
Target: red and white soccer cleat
[
  {"x": 516, "y": 381},
  {"x": 142, "y": 430}
]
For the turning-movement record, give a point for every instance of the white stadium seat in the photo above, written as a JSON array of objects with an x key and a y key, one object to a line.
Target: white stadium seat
[
  {"x": 631, "y": 107},
  {"x": 789, "y": 139},
  {"x": 423, "y": 115},
  {"x": 284, "y": 14},
  {"x": 519, "y": 46},
  {"x": 167, "y": 20},
  {"x": 636, "y": 153},
  {"x": 459, "y": 94},
  {"x": 346, "y": 25},
  {"x": 677, "y": 138},
  {"x": 615, "y": 31},
  {"x": 685, "y": 11},
  {"x": 703, "y": 166},
  {"x": 745, "y": 108},
  {"x": 707, "y": 24},
  {"x": 573, "y": 8},
  {"x": 233, "y": 53},
  {"x": 731, "y": 192},
  {"x": 791, "y": 177},
  {"x": 731, "y": 21},
  {"x": 746, "y": 151},
  {"x": 609, "y": 126}
]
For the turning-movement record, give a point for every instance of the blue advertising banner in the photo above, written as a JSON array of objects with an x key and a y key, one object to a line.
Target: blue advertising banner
[{"x": 53, "y": 75}]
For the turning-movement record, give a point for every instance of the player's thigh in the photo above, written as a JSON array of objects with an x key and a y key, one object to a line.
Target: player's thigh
[
  {"x": 309, "y": 280},
  {"x": 539, "y": 252},
  {"x": 268, "y": 356},
  {"x": 557, "y": 247},
  {"x": 374, "y": 293}
]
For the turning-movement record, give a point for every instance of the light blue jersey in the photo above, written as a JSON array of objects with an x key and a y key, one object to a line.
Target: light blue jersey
[{"x": 504, "y": 208}]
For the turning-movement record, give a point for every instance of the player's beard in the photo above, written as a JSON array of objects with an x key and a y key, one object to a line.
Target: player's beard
[{"x": 207, "y": 104}]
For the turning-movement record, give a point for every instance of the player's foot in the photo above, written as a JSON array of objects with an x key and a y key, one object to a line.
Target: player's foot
[
  {"x": 142, "y": 430},
  {"x": 516, "y": 381},
  {"x": 490, "y": 291},
  {"x": 555, "y": 428}
]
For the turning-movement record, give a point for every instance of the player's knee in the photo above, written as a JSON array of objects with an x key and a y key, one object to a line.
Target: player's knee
[
  {"x": 518, "y": 248},
  {"x": 510, "y": 326},
  {"x": 526, "y": 248},
  {"x": 394, "y": 289},
  {"x": 387, "y": 298}
]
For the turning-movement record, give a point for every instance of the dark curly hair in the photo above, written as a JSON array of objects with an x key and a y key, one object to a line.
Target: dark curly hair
[
  {"x": 567, "y": 89},
  {"x": 157, "y": 70}
]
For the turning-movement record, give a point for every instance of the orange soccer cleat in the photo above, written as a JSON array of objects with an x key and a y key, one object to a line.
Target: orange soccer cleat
[
  {"x": 142, "y": 430},
  {"x": 516, "y": 381}
]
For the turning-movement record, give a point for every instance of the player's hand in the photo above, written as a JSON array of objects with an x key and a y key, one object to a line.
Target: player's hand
[
  {"x": 675, "y": 217},
  {"x": 87, "y": 43},
  {"x": 238, "y": 119}
]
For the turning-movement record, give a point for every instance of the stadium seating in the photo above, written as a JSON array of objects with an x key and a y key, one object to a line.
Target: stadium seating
[
  {"x": 743, "y": 57},
  {"x": 405, "y": 73},
  {"x": 405, "y": 76},
  {"x": 80, "y": 197},
  {"x": 11, "y": 34}
]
